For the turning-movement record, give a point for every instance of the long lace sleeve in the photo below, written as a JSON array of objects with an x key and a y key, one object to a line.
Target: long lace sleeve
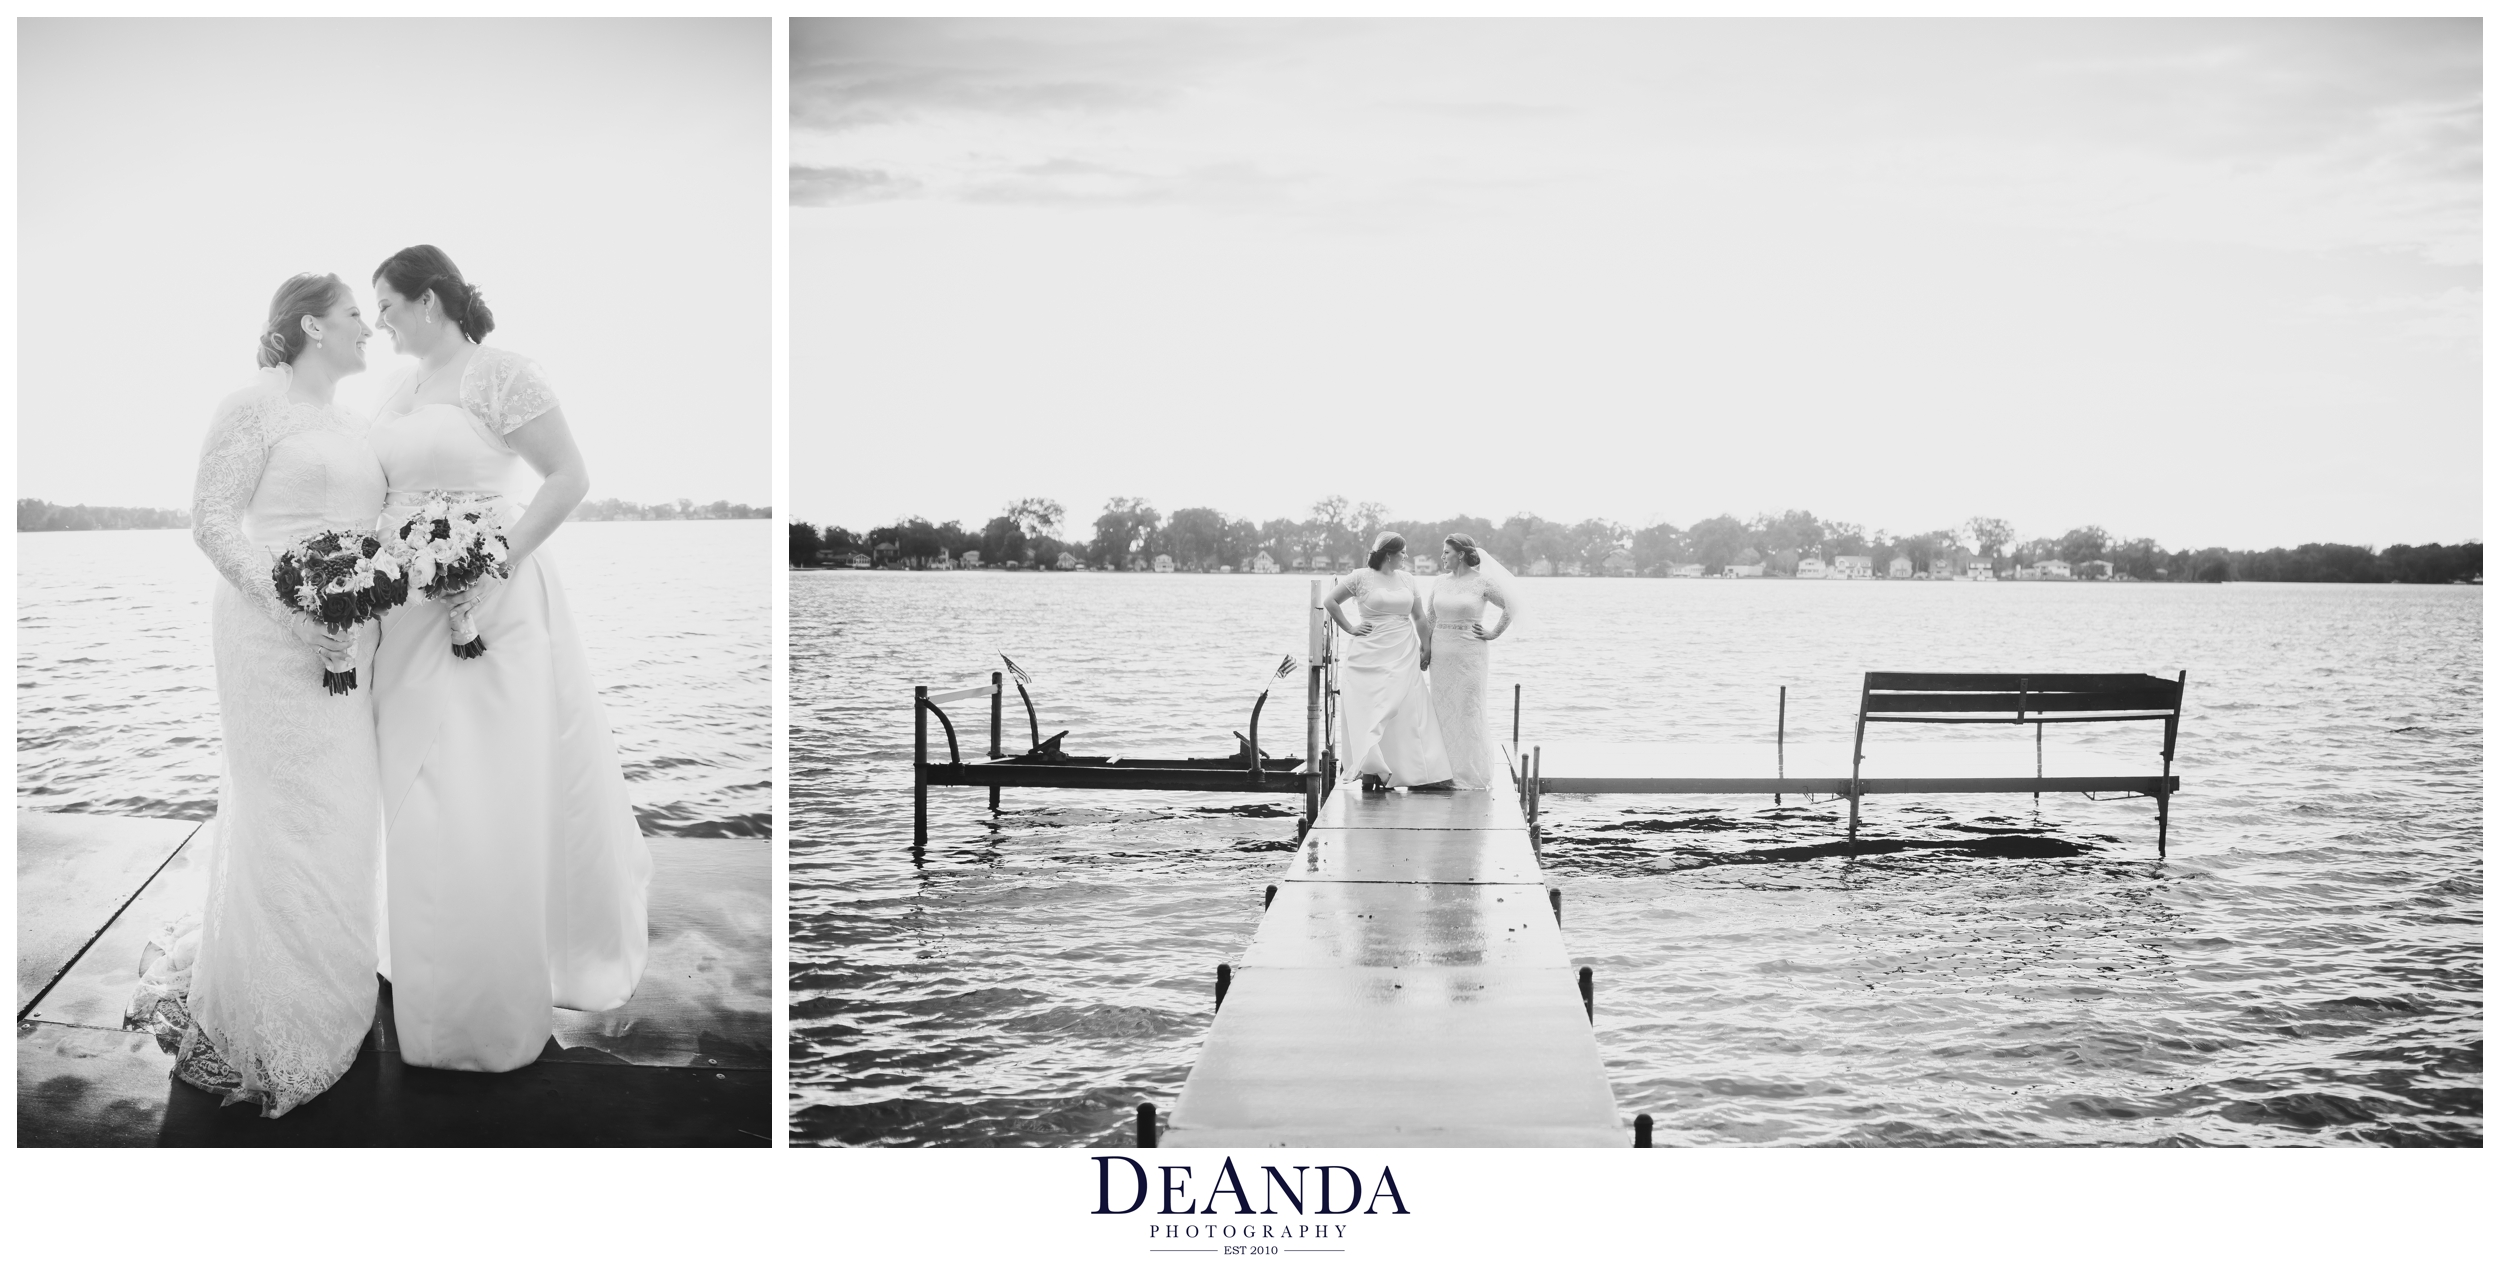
[{"x": 231, "y": 463}]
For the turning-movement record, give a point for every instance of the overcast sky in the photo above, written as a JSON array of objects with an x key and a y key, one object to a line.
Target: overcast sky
[
  {"x": 607, "y": 184},
  {"x": 2214, "y": 282}
]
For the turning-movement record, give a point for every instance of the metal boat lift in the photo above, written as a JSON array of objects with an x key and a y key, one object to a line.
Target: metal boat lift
[{"x": 1248, "y": 771}]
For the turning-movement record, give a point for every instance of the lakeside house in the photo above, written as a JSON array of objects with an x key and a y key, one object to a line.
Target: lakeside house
[
  {"x": 1618, "y": 563},
  {"x": 1687, "y": 571},
  {"x": 1743, "y": 570},
  {"x": 2056, "y": 569},
  {"x": 1541, "y": 566},
  {"x": 1263, "y": 564},
  {"x": 1163, "y": 564},
  {"x": 1068, "y": 561},
  {"x": 1812, "y": 569},
  {"x": 2096, "y": 569},
  {"x": 1900, "y": 568},
  {"x": 971, "y": 558},
  {"x": 1982, "y": 569},
  {"x": 1853, "y": 566}
]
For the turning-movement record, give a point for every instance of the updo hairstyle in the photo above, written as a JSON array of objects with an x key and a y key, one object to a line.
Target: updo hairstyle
[
  {"x": 1386, "y": 546},
  {"x": 305, "y": 294},
  {"x": 1465, "y": 546},
  {"x": 419, "y": 269}
]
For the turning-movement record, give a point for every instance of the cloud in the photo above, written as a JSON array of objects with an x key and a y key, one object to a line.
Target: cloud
[
  {"x": 834, "y": 186},
  {"x": 850, "y": 73}
]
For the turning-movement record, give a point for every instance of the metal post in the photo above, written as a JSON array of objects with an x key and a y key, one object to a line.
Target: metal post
[
  {"x": 2039, "y": 738},
  {"x": 1536, "y": 803},
  {"x": 1857, "y": 756},
  {"x": 1514, "y": 716},
  {"x": 1311, "y": 771},
  {"x": 1782, "y": 741},
  {"x": 1553, "y": 896},
  {"x": 1271, "y": 896},
  {"x": 2169, "y": 746},
  {"x": 1223, "y": 982},
  {"x": 998, "y": 704},
  {"x": 1145, "y": 1126},
  {"x": 1640, "y": 1132},
  {"x": 920, "y": 764},
  {"x": 1588, "y": 992}
]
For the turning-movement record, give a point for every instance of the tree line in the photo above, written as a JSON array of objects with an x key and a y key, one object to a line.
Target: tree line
[
  {"x": 1036, "y": 533},
  {"x": 34, "y": 515}
]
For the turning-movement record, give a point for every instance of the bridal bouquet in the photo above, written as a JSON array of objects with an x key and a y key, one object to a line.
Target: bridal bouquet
[
  {"x": 450, "y": 543},
  {"x": 340, "y": 579}
]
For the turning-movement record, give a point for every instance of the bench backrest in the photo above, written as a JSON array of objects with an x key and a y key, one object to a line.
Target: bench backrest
[{"x": 2018, "y": 697}]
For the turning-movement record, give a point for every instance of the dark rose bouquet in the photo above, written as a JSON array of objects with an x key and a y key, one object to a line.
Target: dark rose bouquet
[
  {"x": 448, "y": 544},
  {"x": 339, "y": 579}
]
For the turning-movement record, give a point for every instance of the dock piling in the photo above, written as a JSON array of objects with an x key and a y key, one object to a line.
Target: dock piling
[
  {"x": 1553, "y": 896},
  {"x": 1271, "y": 897},
  {"x": 998, "y": 705},
  {"x": 1145, "y": 1126},
  {"x": 920, "y": 765},
  {"x": 1223, "y": 982},
  {"x": 1640, "y": 1132},
  {"x": 1588, "y": 992},
  {"x": 1782, "y": 743}
]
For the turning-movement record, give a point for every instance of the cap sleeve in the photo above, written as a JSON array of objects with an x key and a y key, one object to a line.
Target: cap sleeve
[{"x": 506, "y": 391}]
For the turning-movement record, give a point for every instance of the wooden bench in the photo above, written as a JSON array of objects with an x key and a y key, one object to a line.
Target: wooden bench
[{"x": 2014, "y": 698}]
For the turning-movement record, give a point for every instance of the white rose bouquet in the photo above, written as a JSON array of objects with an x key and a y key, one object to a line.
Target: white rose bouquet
[{"x": 448, "y": 544}]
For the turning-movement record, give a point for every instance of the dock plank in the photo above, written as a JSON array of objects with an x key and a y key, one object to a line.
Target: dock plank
[
  {"x": 1415, "y": 925},
  {"x": 73, "y": 871},
  {"x": 687, "y": 1061},
  {"x": 1407, "y": 987},
  {"x": 1823, "y": 768},
  {"x": 1373, "y": 855},
  {"x": 1370, "y": 1056}
]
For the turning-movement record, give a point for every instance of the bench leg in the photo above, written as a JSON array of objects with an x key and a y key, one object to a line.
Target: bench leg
[
  {"x": 2161, "y": 810},
  {"x": 1853, "y": 821}
]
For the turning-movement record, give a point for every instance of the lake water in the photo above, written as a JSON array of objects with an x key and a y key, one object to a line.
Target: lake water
[
  {"x": 2304, "y": 969},
  {"x": 117, "y": 692}
]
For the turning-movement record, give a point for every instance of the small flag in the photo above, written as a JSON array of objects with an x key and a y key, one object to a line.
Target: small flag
[
  {"x": 1287, "y": 668},
  {"x": 1022, "y": 677}
]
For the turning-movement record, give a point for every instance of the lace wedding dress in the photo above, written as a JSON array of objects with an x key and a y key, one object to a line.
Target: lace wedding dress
[
  {"x": 1385, "y": 712},
  {"x": 266, "y": 995},
  {"x": 1462, "y": 671},
  {"x": 516, "y": 870}
]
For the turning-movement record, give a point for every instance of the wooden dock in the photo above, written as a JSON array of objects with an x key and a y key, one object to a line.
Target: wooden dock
[
  {"x": 1408, "y": 986},
  {"x": 687, "y": 1062}
]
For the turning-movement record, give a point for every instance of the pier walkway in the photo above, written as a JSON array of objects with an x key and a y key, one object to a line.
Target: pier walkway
[
  {"x": 1408, "y": 986},
  {"x": 687, "y": 1062}
]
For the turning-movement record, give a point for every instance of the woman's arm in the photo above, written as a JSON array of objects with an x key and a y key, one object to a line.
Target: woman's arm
[
  {"x": 1493, "y": 593},
  {"x": 1417, "y": 612},
  {"x": 547, "y": 444},
  {"x": 1344, "y": 590},
  {"x": 231, "y": 464}
]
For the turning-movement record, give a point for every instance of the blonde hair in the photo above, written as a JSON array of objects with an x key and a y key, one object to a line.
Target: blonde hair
[{"x": 305, "y": 294}]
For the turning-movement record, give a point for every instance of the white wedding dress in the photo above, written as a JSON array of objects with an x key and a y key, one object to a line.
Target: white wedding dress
[
  {"x": 1385, "y": 718},
  {"x": 516, "y": 872},
  {"x": 266, "y": 997},
  {"x": 1462, "y": 671}
]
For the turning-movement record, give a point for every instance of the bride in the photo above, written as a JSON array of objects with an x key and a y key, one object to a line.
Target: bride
[
  {"x": 268, "y": 996},
  {"x": 1389, "y": 736},
  {"x": 516, "y": 869},
  {"x": 1470, "y": 579}
]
